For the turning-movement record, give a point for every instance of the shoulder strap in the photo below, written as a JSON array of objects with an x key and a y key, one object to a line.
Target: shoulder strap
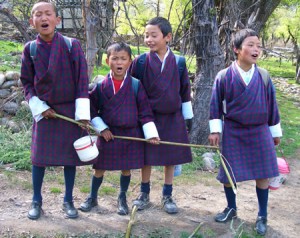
[
  {"x": 32, "y": 46},
  {"x": 265, "y": 75},
  {"x": 140, "y": 65},
  {"x": 135, "y": 85},
  {"x": 180, "y": 62}
]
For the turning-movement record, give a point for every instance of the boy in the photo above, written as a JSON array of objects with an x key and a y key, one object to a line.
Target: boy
[
  {"x": 169, "y": 96},
  {"x": 247, "y": 103},
  {"x": 54, "y": 80},
  {"x": 124, "y": 107}
]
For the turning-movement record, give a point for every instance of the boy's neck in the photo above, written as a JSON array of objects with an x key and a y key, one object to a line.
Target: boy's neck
[
  {"x": 244, "y": 66},
  {"x": 161, "y": 53}
]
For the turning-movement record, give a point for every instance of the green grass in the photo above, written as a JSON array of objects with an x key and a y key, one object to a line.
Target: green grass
[
  {"x": 10, "y": 55},
  {"x": 283, "y": 69}
]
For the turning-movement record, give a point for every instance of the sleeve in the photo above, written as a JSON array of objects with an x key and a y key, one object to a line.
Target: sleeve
[
  {"x": 133, "y": 69},
  {"x": 216, "y": 106},
  {"x": 96, "y": 120},
  {"x": 274, "y": 118},
  {"x": 185, "y": 93},
  {"x": 36, "y": 105},
  {"x": 82, "y": 111}
]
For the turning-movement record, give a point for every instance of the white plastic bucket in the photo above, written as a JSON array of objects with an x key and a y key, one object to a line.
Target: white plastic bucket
[
  {"x": 284, "y": 170},
  {"x": 86, "y": 148}
]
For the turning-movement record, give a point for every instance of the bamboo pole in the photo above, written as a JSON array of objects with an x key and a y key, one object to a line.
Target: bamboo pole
[
  {"x": 131, "y": 221},
  {"x": 196, "y": 230},
  {"x": 227, "y": 173},
  {"x": 139, "y": 139}
]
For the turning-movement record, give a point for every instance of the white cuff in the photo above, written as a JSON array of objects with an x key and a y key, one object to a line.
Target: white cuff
[
  {"x": 99, "y": 124},
  {"x": 187, "y": 110},
  {"x": 276, "y": 130},
  {"x": 82, "y": 111},
  {"x": 150, "y": 130},
  {"x": 37, "y": 107},
  {"x": 215, "y": 125}
]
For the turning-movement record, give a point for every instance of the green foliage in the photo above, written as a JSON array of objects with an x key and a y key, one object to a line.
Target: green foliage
[
  {"x": 278, "y": 68},
  {"x": 10, "y": 55},
  {"x": 15, "y": 148},
  {"x": 55, "y": 190}
]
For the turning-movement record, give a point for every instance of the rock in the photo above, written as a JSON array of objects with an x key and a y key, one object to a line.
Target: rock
[
  {"x": 98, "y": 78},
  {"x": 3, "y": 120},
  {"x": 209, "y": 163},
  {"x": 208, "y": 154},
  {"x": 9, "y": 84},
  {"x": 12, "y": 75},
  {"x": 4, "y": 93},
  {"x": 11, "y": 107},
  {"x": 15, "y": 128},
  {"x": 2, "y": 78}
]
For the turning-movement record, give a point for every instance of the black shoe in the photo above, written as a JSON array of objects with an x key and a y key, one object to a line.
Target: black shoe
[
  {"x": 88, "y": 204},
  {"x": 70, "y": 210},
  {"x": 169, "y": 205},
  {"x": 261, "y": 225},
  {"x": 226, "y": 215},
  {"x": 35, "y": 210},
  {"x": 122, "y": 206},
  {"x": 142, "y": 201}
]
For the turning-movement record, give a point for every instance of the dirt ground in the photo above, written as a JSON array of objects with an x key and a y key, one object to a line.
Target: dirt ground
[{"x": 199, "y": 198}]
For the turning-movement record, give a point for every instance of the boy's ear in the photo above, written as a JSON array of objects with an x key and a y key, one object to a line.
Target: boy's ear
[
  {"x": 106, "y": 61},
  {"x": 31, "y": 21},
  {"x": 58, "y": 19},
  {"x": 168, "y": 37}
]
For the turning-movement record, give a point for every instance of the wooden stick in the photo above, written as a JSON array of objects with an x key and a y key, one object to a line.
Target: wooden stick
[
  {"x": 140, "y": 139},
  {"x": 131, "y": 221},
  {"x": 227, "y": 173},
  {"x": 196, "y": 230}
]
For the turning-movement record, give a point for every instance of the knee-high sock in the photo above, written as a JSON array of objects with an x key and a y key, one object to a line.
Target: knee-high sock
[
  {"x": 124, "y": 184},
  {"x": 145, "y": 187},
  {"x": 37, "y": 181},
  {"x": 262, "y": 196},
  {"x": 96, "y": 183},
  {"x": 69, "y": 173},
  {"x": 167, "y": 190},
  {"x": 230, "y": 197}
]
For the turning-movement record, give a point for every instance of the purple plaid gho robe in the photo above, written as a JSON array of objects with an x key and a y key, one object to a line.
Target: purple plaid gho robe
[
  {"x": 247, "y": 142},
  {"x": 166, "y": 93},
  {"x": 124, "y": 113},
  {"x": 57, "y": 77}
]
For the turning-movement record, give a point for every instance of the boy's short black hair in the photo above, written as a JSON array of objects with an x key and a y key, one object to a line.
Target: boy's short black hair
[
  {"x": 46, "y": 1},
  {"x": 117, "y": 47},
  {"x": 239, "y": 36},
  {"x": 163, "y": 24}
]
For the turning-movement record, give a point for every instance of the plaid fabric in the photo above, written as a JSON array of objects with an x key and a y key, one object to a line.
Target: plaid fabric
[
  {"x": 59, "y": 78},
  {"x": 166, "y": 93},
  {"x": 247, "y": 143},
  {"x": 124, "y": 113}
]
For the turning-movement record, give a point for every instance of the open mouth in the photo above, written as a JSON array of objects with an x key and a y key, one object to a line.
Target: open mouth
[
  {"x": 254, "y": 55},
  {"x": 45, "y": 25},
  {"x": 119, "y": 68}
]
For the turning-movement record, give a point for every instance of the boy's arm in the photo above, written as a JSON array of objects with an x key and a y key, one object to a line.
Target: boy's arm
[
  {"x": 82, "y": 103},
  {"x": 97, "y": 122},
  {"x": 36, "y": 105},
  {"x": 273, "y": 112},
  {"x": 185, "y": 92}
]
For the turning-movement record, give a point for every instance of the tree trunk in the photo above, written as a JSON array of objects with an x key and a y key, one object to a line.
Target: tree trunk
[
  {"x": 234, "y": 15},
  {"x": 210, "y": 60},
  {"x": 16, "y": 23},
  {"x": 90, "y": 22}
]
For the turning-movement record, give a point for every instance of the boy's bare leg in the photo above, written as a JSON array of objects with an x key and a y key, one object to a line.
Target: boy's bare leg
[{"x": 146, "y": 174}]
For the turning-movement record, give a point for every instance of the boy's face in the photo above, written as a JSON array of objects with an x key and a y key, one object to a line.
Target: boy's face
[
  {"x": 249, "y": 52},
  {"x": 44, "y": 20},
  {"x": 119, "y": 62},
  {"x": 155, "y": 40}
]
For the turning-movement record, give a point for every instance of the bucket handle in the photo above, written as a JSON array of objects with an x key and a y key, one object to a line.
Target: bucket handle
[{"x": 92, "y": 142}]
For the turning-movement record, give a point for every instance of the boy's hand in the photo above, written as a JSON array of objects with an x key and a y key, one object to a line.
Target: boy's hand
[
  {"x": 276, "y": 140},
  {"x": 49, "y": 113},
  {"x": 85, "y": 124},
  {"x": 154, "y": 140},
  {"x": 107, "y": 135},
  {"x": 214, "y": 139}
]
